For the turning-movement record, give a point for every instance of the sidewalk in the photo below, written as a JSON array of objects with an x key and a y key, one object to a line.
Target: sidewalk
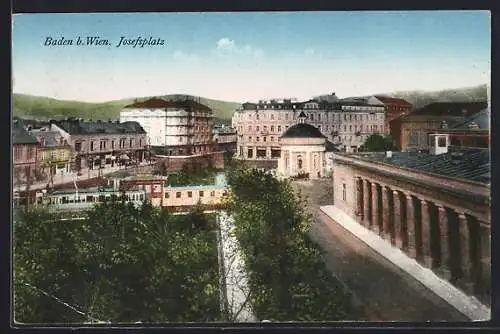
[{"x": 467, "y": 305}]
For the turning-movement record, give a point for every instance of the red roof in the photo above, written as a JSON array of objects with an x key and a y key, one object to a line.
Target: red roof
[
  {"x": 156, "y": 103},
  {"x": 393, "y": 100}
]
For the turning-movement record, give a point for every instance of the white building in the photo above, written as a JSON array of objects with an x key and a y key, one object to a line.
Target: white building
[
  {"x": 173, "y": 127},
  {"x": 346, "y": 122},
  {"x": 303, "y": 149}
]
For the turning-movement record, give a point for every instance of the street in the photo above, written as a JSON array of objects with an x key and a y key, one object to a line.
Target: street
[{"x": 385, "y": 291}]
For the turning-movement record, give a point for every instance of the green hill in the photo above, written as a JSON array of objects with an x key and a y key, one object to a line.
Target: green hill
[
  {"x": 421, "y": 98},
  {"x": 44, "y": 107}
]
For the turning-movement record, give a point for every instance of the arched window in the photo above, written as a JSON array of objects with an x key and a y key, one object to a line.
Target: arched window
[{"x": 299, "y": 162}]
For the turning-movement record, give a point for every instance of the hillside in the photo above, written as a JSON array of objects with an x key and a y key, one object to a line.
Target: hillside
[
  {"x": 44, "y": 107},
  {"x": 420, "y": 98}
]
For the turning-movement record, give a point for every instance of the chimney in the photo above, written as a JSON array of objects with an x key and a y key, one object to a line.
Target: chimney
[{"x": 439, "y": 143}]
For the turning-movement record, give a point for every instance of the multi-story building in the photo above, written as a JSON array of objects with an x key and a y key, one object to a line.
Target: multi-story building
[
  {"x": 54, "y": 154},
  {"x": 346, "y": 122},
  {"x": 224, "y": 138},
  {"x": 412, "y": 131},
  {"x": 394, "y": 107},
  {"x": 435, "y": 206},
  {"x": 24, "y": 147},
  {"x": 474, "y": 132},
  {"x": 102, "y": 144},
  {"x": 174, "y": 128}
]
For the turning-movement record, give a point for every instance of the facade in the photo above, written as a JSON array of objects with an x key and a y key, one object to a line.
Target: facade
[
  {"x": 302, "y": 150},
  {"x": 174, "y": 128},
  {"x": 394, "y": 108},
  {"x": 54, "y": 154},
  {"x": 102, "y": 144},
  {"x": 24, "y": 155},
  {"x": 224, "y": 138},
  {"x": 474, "y": 132},
  {"x": 433, "y": 206},
  {"x": 412, "y": 131},
  {"x": 345, "y": 122}
]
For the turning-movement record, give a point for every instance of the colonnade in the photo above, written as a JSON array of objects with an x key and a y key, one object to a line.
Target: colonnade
[{"x": 444, "y": 239}]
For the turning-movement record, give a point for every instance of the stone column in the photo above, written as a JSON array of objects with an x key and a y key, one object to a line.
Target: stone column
[
  {"x": 444, "y": 228},
  {"x": 385, "y": 213},
  {"x": 254, "y": 155},
  {"x": 466, "y": 259},
  {"x": 375, "y": 209},
  {"x": 398, "y": 231},
  {"x": 410, "y": 219},
  {"x": 426, "y": 237},
  {"x": 366, "y": 203},
  {"x": 268, "y": 153},
  {"x": 359, "y": 197}
]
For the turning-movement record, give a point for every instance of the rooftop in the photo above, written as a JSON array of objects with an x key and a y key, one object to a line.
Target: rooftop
[
  {"x": 303, "y": 130},
  {"x": 466, "y": 163},
  {"x": 393, "y": 100},
  {"x": 452, "y": 109},
  {"x": 74, "y": 126},
  {"x": 157, "y": 103},
  {"x": 478, "y": 121},
  {"x": 21, "y": 136},
  {"x": 48, "y": 138}
]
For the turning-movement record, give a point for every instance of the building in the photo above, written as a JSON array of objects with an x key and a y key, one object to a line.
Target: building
[
  {"x": 302, "y": 150},
  {"x": 224, "y": 138},
  {"x": 412, "y": 131},
  {"x": 54, "y": 154},
  {"x": 473, "y": 132},
  {"x": 394, "y": 108},
  {"x": 346, "y": 122},
  {"x": 174, "y": 128},
  {"x": 435, "y": 206},
  {"x": 102, "y": 144},
  {"x": 24, "y": 155}
]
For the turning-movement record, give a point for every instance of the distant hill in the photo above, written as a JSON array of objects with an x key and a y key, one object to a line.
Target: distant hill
[
  {"x": 421, "y": 98},
  {"x": 44, "y": 107}
]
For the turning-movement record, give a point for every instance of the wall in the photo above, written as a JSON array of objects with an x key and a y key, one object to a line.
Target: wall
[
  {"x": 211, "y": 195},
  {"x": 344, "y": 175}
]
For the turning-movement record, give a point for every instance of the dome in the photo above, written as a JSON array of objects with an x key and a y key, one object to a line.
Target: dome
[{"x": 303, "y": 130}]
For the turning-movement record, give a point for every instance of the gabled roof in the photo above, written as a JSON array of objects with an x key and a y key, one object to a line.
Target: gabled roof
[
  {"x": 157, "y": 103},
  {"x": 481, "y": 119},
  {"x": 393, "y": 100},
  {"x": 452, "y": 109},
  {"x": 21, "y": 136},
  {"x": 48, "y": 138},
  {"x": 76, "y": 127}
]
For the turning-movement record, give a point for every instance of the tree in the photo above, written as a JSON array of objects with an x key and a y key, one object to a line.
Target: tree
[
  {"x": 378, "y": 143},
  {"x": 121, "y": 264}
]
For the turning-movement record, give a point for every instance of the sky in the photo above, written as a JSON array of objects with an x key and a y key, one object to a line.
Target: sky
[{"x": 250, "y": 56}]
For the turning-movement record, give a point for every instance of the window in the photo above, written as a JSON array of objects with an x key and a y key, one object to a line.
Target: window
[
  {"x": 413, "y": 138},
  {"x": 344, "y": 192},
  {"x": 53, "y": 155},
  {"x": 441, "y": 141},
  {"x": 112, "y": 144},
  {"x": 265, "y": 128},
  {"x": 272, "y": 128},
  {"x": 249, "y": 128},
  {"x": 212, "y": 193},
  {"x": 190, "y": 194},
  {"x": 78, "y": 147},
  {"x": 62, "y": 154},
  {"x": 178, "y": 194},
  {"x": 249, "y": 138},
  {"x": 272, "y": 138},
  {"x": 167, "y": 195},
  {"x": 250, "y": 153},
  {"x": 272, "y": 116},
  {"x": 131, "y": 142},
  {"x": 264, "y": 138},
  {"x": 279, "y": 128},
  {"x": 257, "y": 138},
  {"x": 257, "y": 128},
  {"x": 201, "y": 193},
  {"x": 91, "y": 145}
]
